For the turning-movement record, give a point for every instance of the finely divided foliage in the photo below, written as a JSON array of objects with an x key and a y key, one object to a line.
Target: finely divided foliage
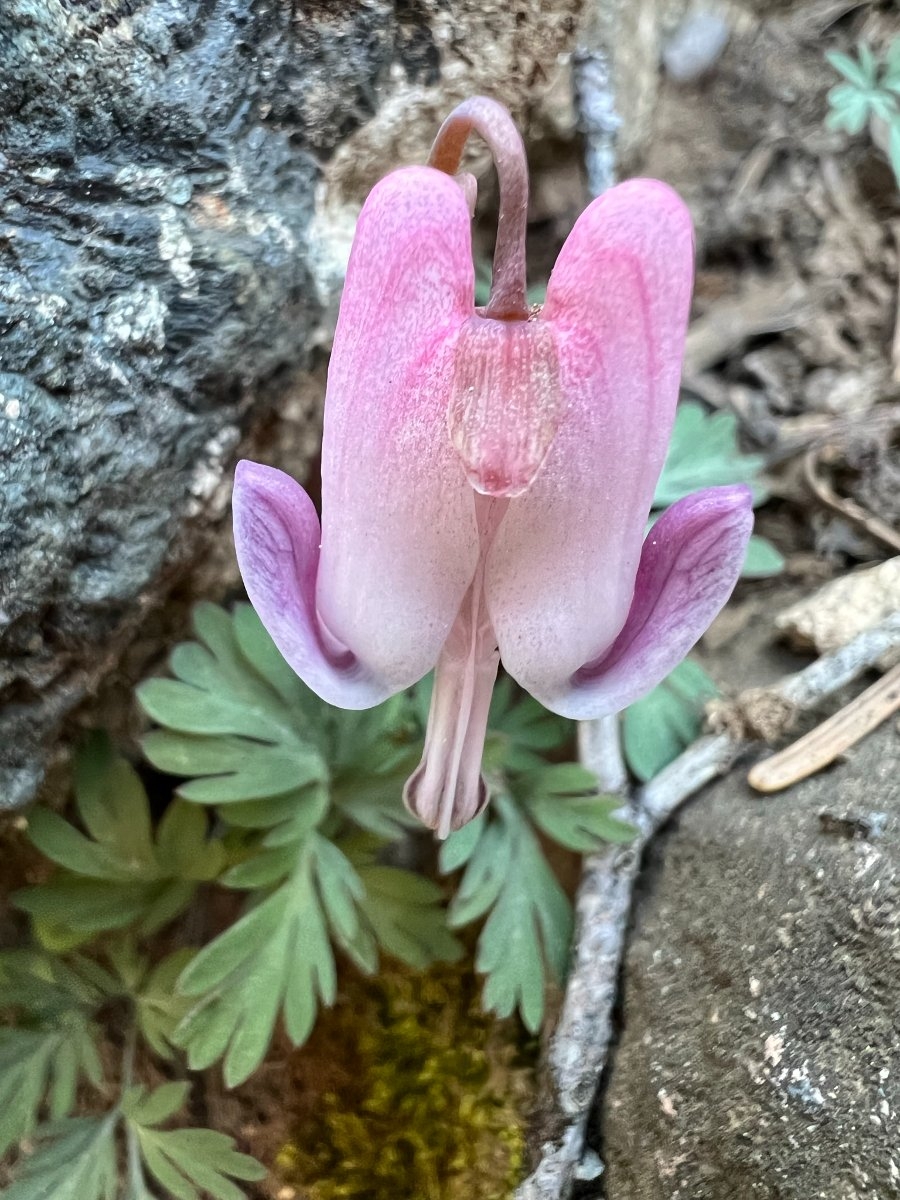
[
  {"x": 53, "y": 1046},
  {"x": 869, "y": 96},
  {"x": 656, "y": 729},
  {"x": 310, "y": 794},
  {"x": 703, "y": 453},
  {"x": 524, "y": 941},
  {"x": 292, "y": 804},
  {"x": 309, "y": 855}
]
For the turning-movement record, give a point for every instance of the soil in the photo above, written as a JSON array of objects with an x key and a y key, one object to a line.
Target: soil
[{"x": 796, "y": 293}]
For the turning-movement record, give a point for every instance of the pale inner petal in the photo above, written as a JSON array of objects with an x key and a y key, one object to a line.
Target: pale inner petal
[
  {"x": 506, "y": 402},
  {"x": 447, "y": 790}
]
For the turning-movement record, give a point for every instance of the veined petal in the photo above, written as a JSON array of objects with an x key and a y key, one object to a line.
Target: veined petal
[
  {"x": 561, "y": 572},
  {"x": 276, "y": 536},
  {"x": 691, "y": 560},
  {"x": 399, "y": 537},
  {"x": 506, "y": 404}
]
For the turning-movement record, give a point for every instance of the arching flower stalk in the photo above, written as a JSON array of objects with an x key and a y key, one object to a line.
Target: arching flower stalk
[{"x": 487, "y": 474}]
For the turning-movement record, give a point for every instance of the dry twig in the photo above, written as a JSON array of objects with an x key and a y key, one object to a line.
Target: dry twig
[
  {"x": 763, "y": 307},
  {"x": 822, "y": 745},
  {"x": 874, "y": 526}
]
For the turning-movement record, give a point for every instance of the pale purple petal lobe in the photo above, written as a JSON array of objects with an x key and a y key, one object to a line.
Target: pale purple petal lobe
[
  {"x": 276, "y": 536},
  {"x": 691, "y": 560}
]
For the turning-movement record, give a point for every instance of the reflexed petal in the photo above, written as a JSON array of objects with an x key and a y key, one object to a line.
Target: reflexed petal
[
  {"x": 691, "y": 560},
  {"x": 561, "y": 573},
  {"x": 276, "y": 536},
  {"x": 399, "y": 539}
]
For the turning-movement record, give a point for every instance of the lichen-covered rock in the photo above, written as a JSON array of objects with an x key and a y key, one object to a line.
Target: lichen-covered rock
[
  {"x": 167, "y": 263},
  {"x": 760, "y": 1055}
]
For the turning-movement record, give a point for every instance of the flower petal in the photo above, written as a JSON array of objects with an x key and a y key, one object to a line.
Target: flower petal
[
  {"x": 276, "y": 536},
  {"x": 691, "y": 560},
  {"x": 447, "y": 790},
  {"x": 560, "y": 575},
  {"x": 506, "y": 404},
  {"x": 399, "y": 538}
]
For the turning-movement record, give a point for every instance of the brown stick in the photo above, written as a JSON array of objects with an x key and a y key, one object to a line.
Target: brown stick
[
  {"x": 874, "y": 526},
  {"x": 822, "y": 745}
]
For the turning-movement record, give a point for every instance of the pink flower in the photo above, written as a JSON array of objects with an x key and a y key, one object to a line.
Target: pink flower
[{"x": 487, "y": 474}]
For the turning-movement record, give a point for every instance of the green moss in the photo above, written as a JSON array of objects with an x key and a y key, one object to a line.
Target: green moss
[{"x": 430, "y": 1101}]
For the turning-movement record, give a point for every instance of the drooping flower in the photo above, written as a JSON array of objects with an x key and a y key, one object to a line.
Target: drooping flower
[{"x": 487, "y": 474}]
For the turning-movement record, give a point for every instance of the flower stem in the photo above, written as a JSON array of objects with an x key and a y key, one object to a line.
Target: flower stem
[{"x": 493, "y": 123}]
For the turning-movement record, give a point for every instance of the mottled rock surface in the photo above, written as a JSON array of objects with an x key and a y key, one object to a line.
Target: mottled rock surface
[
  {"x": 760, "y": 1054},
  {"x": 177, "y": 182}
]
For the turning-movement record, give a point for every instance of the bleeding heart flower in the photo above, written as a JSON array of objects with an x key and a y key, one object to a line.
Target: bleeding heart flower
[{"x": 487, "y": 474}]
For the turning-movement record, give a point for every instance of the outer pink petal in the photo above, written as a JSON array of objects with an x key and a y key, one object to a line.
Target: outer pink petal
[
  {"x": 276, "y": 535},
  {"x": 561, "y": 572},
  {"x": 691, "y": 560},
  {"x": 399, "y": 539}
]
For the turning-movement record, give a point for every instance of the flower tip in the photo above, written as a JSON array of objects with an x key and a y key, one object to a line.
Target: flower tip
[
  {"x": 731, "y": 502},
  {"x": 439, "y": 809},
  {"x": 251, "y": 476}
]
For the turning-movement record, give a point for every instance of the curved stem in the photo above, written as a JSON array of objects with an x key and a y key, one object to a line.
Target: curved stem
[{"x": 494, "y": 124}]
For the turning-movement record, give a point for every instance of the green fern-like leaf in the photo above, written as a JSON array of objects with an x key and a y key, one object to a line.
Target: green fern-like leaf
[
  {"x": 119, "y": 872},
  {"x": 861, "y": 72},
  {"x": 406, "y": 916},
  {"x": 657, "y": 728},
  {"x": 75, "y": 1159},
  {"x": 276, "y": 958},
  {"x": 52, "y": 1046},
  {"x": 158, "y": 1007},
  {"x": 47, "y": 988},
  {"x": 238, "y": 724},
  {"x": 563, "y": 803},
  {"x": 525, "y": 939},
  {"x": 246, "y": 734},
  {"x": 187, "y": 1163},
  {"x": 704, "y": 453},
  {"x": 521, "y": 731},
  {"x": 868, "y": 91},
  {"x": 39, "y": 1064}
]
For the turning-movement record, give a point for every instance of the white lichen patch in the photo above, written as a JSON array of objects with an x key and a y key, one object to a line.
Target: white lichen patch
[
  {"x": 50, "y": 306},
  {"x": 803, "y": 1089},
  {"x": 773, "y": 1049},
  {"x": 176, "y": 250},
  {"x": 138, "y": 318},
  {"x": 171, "y": 186},
  {"x": 260, "y": 223},
  {"x": 328, "y": 241},
  {"x": 210, "y": 488},
  {"x": 667, "y": 1104}
]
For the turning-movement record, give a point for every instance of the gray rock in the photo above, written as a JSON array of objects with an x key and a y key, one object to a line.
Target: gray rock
[
  {"x": 695, "y": 46},
  {"x": 156, "y": 188},
  {"x": 165, "y": 273},
  {"x": 759, "y": 1055}
]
